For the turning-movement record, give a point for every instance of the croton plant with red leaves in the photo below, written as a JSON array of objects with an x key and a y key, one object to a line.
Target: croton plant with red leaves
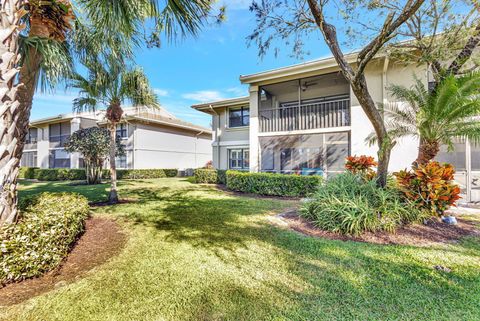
[
  {"x": 362, "y": 164},
  {"x": 431, "y": 186}
]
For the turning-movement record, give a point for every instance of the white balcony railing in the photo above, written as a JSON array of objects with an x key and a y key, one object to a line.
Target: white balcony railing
[{"x": 334, "y": 113}]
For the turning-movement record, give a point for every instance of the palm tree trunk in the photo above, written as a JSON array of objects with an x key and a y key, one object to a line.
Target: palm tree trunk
[
  {"x": 113, "y": 196},
  {"x": 11, "y": 11},
  {"x": 427, "y": 151}
]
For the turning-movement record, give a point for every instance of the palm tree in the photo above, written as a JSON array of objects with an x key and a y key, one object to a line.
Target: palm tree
[
  {"x": 435, "y": 117},
  {"x": 50, "y": 35},
  {"x": 11, "y": 13},
  {"x": 112, "y": 83}
]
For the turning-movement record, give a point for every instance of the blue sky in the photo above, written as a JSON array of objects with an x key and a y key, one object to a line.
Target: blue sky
[{"x": 196, "y": 70}]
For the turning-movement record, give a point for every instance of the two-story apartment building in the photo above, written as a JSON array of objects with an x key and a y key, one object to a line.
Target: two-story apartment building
[
  {"x": 305, "y": 119},
  {"x": 153, "y": 138}
]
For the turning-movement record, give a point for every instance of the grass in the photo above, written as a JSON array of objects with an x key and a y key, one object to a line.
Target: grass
[{"x": 197, "y": 253}]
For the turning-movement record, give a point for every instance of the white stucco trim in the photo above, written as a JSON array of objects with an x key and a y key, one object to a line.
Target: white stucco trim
[
  {"x": 167, "y": 151},
  {"x": 232, "y": 143},
  {"x": 308, "y": 131}
]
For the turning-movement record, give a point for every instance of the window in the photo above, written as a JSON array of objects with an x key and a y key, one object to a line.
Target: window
[
  {"x": 29, "y": 159},
  {"x": 239, "y": 117},
  {"x": 122, "y": 130},
  {"x": 238, "y": 159},
  {"x": 121, "y": 161},
  {"x": 59, "y": 158},
  {"x": 32, "y": 136},
  {"x": 58, "y": 134}
]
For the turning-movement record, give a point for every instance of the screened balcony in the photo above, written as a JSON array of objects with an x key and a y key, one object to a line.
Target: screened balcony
[
  {"x": 305, "y": 104},
  {"x": 310, "y": 154}
]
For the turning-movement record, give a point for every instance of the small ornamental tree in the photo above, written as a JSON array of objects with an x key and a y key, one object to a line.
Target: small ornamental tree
[{"x": 94, "y": 145}]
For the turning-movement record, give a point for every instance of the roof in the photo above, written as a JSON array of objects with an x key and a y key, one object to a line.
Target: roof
[
  {"x": 173, "y": 122},
  {"x": 309, "y": 66},
  {"x": 222, "y": 103},
  {"x": 61, "y": 117}
]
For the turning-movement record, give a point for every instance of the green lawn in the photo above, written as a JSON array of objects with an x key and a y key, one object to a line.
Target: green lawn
[{"x": 196, "y": 253}]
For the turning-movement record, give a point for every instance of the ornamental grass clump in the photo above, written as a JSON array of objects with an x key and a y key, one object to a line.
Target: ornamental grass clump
[
  {"x": 47, "y": 228},
  {"x": 349, "y": 204},
  {"x": 430, "y": 186}
]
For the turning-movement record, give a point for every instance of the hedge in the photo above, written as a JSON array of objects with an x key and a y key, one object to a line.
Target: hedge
[
  {"x": 43, "y": 236},
  {"x": 210, "y": 176},
  {"x": 272, "y": 184},
  {"x": 66, "y": 174}
]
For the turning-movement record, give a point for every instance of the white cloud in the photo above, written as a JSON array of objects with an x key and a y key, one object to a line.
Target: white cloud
[
  {"x": 238, "y": 91},
  {"x": 204, "y": 95},
  {"x": 161, "y": 92}
]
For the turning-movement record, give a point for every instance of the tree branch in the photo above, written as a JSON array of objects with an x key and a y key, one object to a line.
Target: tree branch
[
  {"x": 465, "y": 53},
  {"x": 389, "y": 27},
  {"x": 330, "y": 36}
]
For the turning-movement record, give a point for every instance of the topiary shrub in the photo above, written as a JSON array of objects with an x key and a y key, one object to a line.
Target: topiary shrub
[
  {"x": 430, "y": 186},
  {"x": 272, "y": 184},
  {"x": 349, "y": 204},
  {"x": 47, "y": 229}
]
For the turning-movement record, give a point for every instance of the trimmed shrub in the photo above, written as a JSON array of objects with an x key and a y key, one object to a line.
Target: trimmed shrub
[
  {"x": 43, "y": 236},
  {"x": 72, "y": 174},
  {"x": 206, "y": 176},
  {"x": 59, "y": 174},
  {"x": 222, "y": 176},
  {"x": 141, "y": 173},
  {"x": 27, "y": 172},
  {"x": 348, "y": 204},
  {"x": 272, "y": 184},
  {"x": 430, "y": 186}
]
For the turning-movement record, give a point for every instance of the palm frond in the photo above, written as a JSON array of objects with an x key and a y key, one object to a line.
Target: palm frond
[{"x": 56, "y": 64}]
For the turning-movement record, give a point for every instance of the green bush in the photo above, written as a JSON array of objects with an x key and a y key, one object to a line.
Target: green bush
[
  {"x": 72, "y": 174},
  {"x": 59, "y": 174},
  {"x": 27, "y": 172},
  {"x": 221, "y": 176},
  {"x": 272, "y": 184},
  {"x": 206, "y": 176},
  {"x": 141, "y": 173},
  {"x": 350, "y": 205},
  {"x": 48, "y": 227}
]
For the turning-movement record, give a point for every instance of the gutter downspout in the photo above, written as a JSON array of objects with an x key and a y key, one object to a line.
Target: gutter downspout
[
  {"x": 384, "y": 80},
  {"x": 196, "y": 141},
  {"x": 217, "y": 137}
]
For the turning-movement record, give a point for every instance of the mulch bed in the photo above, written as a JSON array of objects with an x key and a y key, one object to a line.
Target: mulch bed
[
  {"x": 435, "y": 232},
  {"x": 102, "y": 239}
]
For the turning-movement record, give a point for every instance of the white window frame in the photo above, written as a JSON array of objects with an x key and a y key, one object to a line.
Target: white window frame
[{"x": 242, "y": 151}]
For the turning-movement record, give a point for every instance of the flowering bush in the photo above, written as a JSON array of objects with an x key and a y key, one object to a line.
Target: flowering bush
[
  {"x": 430, "y": 186},
  {"x": 362, "y": 165}
]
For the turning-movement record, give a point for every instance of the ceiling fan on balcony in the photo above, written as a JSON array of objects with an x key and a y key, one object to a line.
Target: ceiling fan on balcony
[{"x": 304, "y": 86}]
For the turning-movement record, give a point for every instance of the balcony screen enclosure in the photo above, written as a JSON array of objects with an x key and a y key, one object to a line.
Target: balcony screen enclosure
[{"x": 310, "y": 154}]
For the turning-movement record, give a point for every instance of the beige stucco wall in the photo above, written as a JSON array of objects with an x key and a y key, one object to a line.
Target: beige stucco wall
[
  {"x": 404, "y": 153},
  {"x": 157, "y": 146}
]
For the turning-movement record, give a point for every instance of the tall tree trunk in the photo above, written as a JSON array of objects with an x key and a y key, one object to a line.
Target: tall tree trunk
[
  {"x": 114, "y": 115},
  {"x": 427, "y": 151},
  {"x": 113, "y": 196},
  {"x": 11, "y": 12}
]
